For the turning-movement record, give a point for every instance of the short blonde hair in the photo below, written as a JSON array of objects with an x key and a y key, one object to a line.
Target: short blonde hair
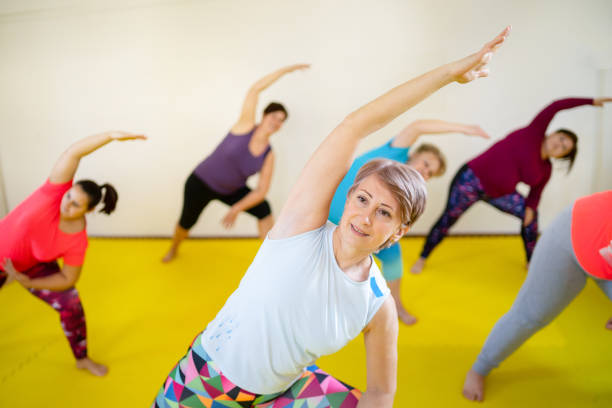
[
  {"x": 429, "y": 148},
  {"x": 405, "y": 183}
]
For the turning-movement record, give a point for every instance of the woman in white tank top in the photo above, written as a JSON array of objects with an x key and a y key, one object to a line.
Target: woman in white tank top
[{"x": 313, "y": 286}]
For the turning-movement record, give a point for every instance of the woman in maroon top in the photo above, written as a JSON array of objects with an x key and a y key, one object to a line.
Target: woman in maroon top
[
  {"x": 522, "y": 156},
  {"x": 222, "y": 176}
]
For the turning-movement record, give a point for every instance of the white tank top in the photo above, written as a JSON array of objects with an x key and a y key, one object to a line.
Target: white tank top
[{"x": 293, "y": 305}]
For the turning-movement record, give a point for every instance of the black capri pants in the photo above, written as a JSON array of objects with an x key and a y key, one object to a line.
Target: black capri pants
[{"x": 198, "y": 194}]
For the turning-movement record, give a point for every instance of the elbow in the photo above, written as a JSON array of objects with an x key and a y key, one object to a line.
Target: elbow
[
  {"x": 416, "y": 126},
  {"x": 261, "y": 192},
  {"x": 381, "y": 398},
  {"x": 352, "y": 125}
]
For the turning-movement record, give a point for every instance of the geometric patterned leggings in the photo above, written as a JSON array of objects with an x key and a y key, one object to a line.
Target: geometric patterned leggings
[
  {"x": 465, "y": 190},
  {"x": 66, "y": 302},
  {"x": 196, "y": 381}
]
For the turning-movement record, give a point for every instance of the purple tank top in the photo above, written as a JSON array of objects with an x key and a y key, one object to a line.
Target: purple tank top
[{"x": 228, "y": 167}]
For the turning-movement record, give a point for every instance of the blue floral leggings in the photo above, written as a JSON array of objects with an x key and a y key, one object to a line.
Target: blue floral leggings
[{"x": 465, "y": 190}]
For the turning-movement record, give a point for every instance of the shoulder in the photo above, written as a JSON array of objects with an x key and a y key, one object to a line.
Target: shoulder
[
  {"x": 242, "y": 129},
  {"x": 49, "y": 188}
]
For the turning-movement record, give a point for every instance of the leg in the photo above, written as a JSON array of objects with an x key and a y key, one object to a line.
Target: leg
[
  {"x": 514, "y": 204},
  {"x": 606, "y": 287},
  {"x": 315, "y": 388},
  {"x": 392, "y": 269},
  {"x": 465, "y": 190},
  {"x": 195, "y": 378},
  {"x": 195, "y": 197},
  {"x": 264, "y": 226},
  {"x": 72, "y": 318},
  {"x": 553, "y": 281},
  {"x": 262, "y": 210}
]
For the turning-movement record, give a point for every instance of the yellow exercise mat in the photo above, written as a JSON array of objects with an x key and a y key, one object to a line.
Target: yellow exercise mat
[{"x": 142, "y": 315}]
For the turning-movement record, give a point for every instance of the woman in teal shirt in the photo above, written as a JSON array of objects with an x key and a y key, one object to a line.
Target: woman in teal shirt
[{"x": 428, "y": 161}]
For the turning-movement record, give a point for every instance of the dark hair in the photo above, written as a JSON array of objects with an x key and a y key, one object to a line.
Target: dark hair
[
  {"x": 94, "y": 191},
  {"x": 275, "y": 107},
  {"x": 429, "y": 148},
  {"x": 571, "y": 155}
]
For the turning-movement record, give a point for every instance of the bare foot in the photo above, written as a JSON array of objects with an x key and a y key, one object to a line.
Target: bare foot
[
  {"x": 169, "y": 256},
  {"x": 404, "y": 316},
  {"x": 93, "y": 367},
  {"x": 473, "y": 388},
  {"x": 418, "y": 266}
]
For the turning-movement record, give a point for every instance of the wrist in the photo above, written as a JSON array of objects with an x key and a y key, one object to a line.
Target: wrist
[{"x": 23, "y": 279}]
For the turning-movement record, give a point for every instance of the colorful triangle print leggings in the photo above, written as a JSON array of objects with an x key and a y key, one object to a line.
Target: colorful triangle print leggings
[{"x": 196, "y": 381}]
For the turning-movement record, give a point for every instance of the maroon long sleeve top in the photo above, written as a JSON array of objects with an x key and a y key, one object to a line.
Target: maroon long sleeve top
[{"x": 518, "y": 157}]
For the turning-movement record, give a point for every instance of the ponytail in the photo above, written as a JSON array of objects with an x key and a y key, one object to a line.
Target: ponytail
[
  {"x": 110, "y": 198},
  {"x": 94, "y": 192}
]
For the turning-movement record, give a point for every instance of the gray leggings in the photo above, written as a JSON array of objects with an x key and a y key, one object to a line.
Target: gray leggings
[{"x": 555, "y": 278}]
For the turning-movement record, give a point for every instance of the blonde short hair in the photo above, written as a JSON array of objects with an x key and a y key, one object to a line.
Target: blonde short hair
[
  {"x": 429, "y": 148},
  {"x": 405, "y": 183}
]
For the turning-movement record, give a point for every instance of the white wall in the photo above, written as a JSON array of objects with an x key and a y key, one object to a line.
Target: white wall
[{"x": 178, "y": 70}]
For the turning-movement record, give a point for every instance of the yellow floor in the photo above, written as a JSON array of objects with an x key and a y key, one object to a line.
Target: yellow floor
[{"x": 142, "y": 315}]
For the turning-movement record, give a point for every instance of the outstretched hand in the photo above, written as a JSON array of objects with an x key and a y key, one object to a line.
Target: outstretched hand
[
  {"x": 296, "y": 67},
  {"x": 122, "y": 136},
  {"x": 11, "y": 272},
  {"x": 475, "y": 130},
  {"x": 606, "y": 253},
  {"x": 601, "y": 101},
  {"x": 474, "y": 66},
  {"x": 229, "y": 219}
]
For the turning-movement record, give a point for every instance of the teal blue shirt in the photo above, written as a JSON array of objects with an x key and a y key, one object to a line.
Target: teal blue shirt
[{"x": 385, "y": 151}]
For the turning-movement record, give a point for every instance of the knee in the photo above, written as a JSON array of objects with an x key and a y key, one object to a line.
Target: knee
[{"x": 531, "y": 321}]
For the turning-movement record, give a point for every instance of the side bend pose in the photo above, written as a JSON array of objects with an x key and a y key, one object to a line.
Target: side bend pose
[
  {"x": 314, "y": 286},
  {"x": 428, "y": 161},
  {"x": 524, "y": 155},
  {"x": 222, "y": 176},
  {"x": 576, "y": 246},
  {"x": 50, "y": 224}
]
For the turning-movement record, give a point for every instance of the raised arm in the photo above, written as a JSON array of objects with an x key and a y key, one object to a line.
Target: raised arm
[
  {"x": 67, "y": 164},
  {"x": 409, "y": 135},
  {"x": 540, "y": 123},
  {"x": 246, "y": 121},
  {"x": 308, "y": 203},
  {"x": 380, "y": 337}
]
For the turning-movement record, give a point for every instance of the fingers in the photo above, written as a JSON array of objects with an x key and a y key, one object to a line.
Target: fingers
[
  {"x": 121, "y": 136},
  {"x": 299, "y": 66},
  {"x": 494, "y": 44}
]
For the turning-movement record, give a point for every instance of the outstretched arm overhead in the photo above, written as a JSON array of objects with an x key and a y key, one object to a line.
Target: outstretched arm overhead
[
  {"x": 409, "y": 135},
  {"x": 308, "y": 203},
  {"x": 246, "y": 121},
  {"x": 67, "y": 164},
  {"x": 601, "y": 101},
  {"x": 540, "y": 123}
]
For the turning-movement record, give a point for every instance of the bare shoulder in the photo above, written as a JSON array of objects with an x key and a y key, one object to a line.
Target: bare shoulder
[{"x": 385, "y": 319}]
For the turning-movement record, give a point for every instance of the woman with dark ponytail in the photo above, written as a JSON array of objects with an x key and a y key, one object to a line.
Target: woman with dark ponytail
[{"x": 50, "y": 224}]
